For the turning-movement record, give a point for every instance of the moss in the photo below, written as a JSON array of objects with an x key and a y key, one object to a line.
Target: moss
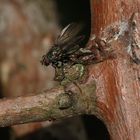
[{"x": 73, "y": 73}]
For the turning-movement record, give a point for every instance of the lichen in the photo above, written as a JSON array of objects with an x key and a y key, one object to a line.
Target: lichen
[
  {"x": 73, "y": 74},
  {"x": 64, "y": 101}
]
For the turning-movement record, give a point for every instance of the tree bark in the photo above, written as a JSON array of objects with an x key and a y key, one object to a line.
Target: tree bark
[
  {"x": 53, "y": 104},
  {"x": 115, "y": 100},
  {"x": 118, "y": 84}
]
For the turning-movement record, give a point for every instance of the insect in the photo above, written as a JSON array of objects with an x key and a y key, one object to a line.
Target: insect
[
  {"x": 64, "y": 47},
  {"x": 67, "y": 50}
]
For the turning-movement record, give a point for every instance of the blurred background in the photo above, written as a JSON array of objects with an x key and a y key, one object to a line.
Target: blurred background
[{"x": 28, "y": 28}]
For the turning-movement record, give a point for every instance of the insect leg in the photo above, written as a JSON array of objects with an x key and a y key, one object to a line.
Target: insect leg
[{"x": 59, "y": 73}]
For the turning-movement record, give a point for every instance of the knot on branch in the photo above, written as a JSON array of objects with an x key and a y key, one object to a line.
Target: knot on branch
[{"x": 65, "y": 100}]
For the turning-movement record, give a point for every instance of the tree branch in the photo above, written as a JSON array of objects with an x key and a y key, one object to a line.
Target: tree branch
[{"x": 48, "y": 105}]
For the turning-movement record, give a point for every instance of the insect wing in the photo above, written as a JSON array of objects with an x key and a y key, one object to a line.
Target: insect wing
[
  {"x": 72, "y": 46},
  {"x": 68, "y": 33}
]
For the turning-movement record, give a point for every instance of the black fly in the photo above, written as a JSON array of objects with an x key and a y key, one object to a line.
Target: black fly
[
  {"x": 67, "y": 50},
  {"x": 65, "y": 46}
]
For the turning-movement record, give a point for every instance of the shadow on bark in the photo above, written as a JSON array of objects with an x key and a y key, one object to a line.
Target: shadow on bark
[{"x": 76, "y": 128}]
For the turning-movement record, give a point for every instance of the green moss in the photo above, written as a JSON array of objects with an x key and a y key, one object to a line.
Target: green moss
[{"x": 73, "y": 73}]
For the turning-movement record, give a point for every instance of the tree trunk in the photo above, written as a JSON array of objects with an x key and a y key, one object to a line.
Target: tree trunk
[
  {"x": 117, "y": 81},
  {"x": 111, "y": 92}
]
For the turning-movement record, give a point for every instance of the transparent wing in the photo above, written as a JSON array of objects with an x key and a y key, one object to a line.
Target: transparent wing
[
  {"x": 72, "y": 46},
  {"x": 68, "y": 33}
]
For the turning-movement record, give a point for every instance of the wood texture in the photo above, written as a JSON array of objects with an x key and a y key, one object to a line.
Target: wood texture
[
  {"x": 115, "y": 100},
  {"x": 118, "y": 85}
]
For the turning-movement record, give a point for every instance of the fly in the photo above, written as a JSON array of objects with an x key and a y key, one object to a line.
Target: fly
[
  {"x": 67, "y": 50},
  {"x": 65, "y": 46}
]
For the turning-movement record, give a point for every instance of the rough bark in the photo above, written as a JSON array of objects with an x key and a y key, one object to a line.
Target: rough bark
[
  {"x": 118, "y": 85},
  {"x": 49, "y": 105},
  {"x": 115, "y": 100}
]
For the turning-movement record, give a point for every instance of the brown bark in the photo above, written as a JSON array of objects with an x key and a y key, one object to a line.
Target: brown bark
[
  {"x": 24, "y": 39},
  {"x": 116, "y": 99},
  {"x": 118, "y": 86},
  {"x": 53, "y": 104}
]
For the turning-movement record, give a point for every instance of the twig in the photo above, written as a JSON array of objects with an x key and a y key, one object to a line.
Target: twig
[{"x": 49, "y": 105}]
